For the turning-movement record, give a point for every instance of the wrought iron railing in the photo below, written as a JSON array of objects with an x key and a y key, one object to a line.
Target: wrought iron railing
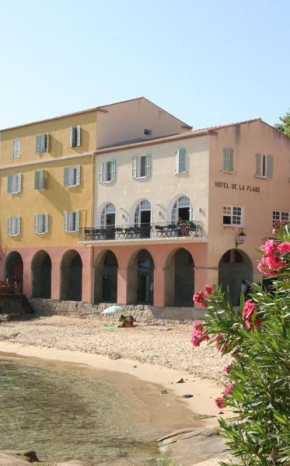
[{"x": 192, "y": 229}]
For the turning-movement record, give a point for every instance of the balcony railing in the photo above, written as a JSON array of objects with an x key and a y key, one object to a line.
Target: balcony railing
[{"x": 144, "y": 230}]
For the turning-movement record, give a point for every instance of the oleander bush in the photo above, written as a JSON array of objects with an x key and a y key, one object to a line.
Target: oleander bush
[{"x": 258, "y": 339}]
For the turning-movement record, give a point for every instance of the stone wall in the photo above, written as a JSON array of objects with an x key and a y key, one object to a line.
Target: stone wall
[{"x": 142, "y": 313}]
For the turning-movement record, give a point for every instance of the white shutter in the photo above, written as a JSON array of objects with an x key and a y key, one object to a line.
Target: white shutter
[
  {"x": 270, "y": 166},
  {"x": 134, "y": 167},
  {"x": 78, "y": 175},
  {"x": 100, "y": 172},
  {"x": 46, "y": 225},
  {"x": 18, "y": 225},
  {"x": 16, "y": 148},
  {"x": 113, "y": 170},
  {"x": 148, "y": 165},
  {"x": 78, "y": 136},
  {"x": 65, "y": 220},
  {"x": 18, "y": 183},
  {"x": 77, "y": 220},
  {"x": 36, "y": 223},
  {"x": 258, "y": 165},
  {"x": 181, "y": 160},
  {"x": 9, "y": 222},
  {"x": 66, "y": 173},
  {"x": 10, "y": 184},
  {"x": 38, "y": 143}
]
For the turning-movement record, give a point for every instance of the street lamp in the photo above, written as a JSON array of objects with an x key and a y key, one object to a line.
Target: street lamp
[{"x": 240, "y": 239}]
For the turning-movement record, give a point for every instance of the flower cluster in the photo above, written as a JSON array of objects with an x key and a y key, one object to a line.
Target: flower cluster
[
  {"x": 248, "y": 313},
  {"x": 201, "y": 296},
  {"x": 272, "y": 261},
  {"x": 198, "y": 335},
  {"x": 220, "y": 401}
]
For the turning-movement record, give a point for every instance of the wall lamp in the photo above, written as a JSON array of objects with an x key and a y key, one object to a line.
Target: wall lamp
[{"x": 240, "y": 239}]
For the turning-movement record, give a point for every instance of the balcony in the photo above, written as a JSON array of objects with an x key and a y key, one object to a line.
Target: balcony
[{"x": 162, "y": 231}]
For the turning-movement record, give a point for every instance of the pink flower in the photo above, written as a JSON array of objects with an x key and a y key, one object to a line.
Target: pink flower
[
  {"x": 208, "y": 289},
  {"x": 220, "y": 402},
  {"x": 198, "y": 335},
  {"x": 228, "y": 389},
  {"x": 283, "y": 248},
  {"x": 199, "y": 298},
  {"x": 274, "y": 262},
  {"x": 269, "y": 247},
  {"x": 249, "y": 309},
  {"x": 251, "y": 326},
  {"x": 226, "y": 369},
  {"x": 263, "y": 268}
]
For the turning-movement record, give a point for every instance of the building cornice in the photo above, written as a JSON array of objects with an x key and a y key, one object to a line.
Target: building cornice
[{"x": 47, "y": 161}]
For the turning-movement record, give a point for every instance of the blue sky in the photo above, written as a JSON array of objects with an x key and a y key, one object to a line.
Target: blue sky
[{"x": 207, "y": 62}]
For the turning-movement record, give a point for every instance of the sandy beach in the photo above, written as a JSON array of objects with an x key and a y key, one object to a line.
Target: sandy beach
[{"x": 159, "y": 354}]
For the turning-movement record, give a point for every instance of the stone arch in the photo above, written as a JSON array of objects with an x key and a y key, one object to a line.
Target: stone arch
[
  {"x": 140, "y": 278},
  {"x": 105, "y": 278},
  {"x": 41, "y": 275},
  {"x": 71, "y": 276},
  {"x": 234, "y": 266},
  {"x": 14, "y": 268},
  {"x": 179, "y": 278}
]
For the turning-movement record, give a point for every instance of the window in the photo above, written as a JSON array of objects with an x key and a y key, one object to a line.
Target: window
[
  {"x": 41, "y": 223},
  {"x": 228, "y": 159},
  {"x": 13, "y": 226},
  {"x": 280, "y": 217},
  {"x": 71, "y": 221},
  {"x": 40, "y": 180},
  {"x": 232, "y": 215},
  {"x": 14, "y": 184},
  {"x": 180, "y": 161},
  {"x": 182, "y": 208},
  {"x": 141, "y": 166},
  {"x": 16, "y": 148},
  {"x": 107, "y": 171},
  {"x": 148, "y": 132},
  {"x": 75, "y": 136},
  {"x": 42, "y": 143},
  {"x": 72, "y": 176},
  {"x": 264, "y": 165}
]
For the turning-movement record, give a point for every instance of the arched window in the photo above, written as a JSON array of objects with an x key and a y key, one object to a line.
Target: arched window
[
  {"x": 143, "y": 213},
  {"x": 182, "y": 208},
  {"x": 108, "y": 215}
]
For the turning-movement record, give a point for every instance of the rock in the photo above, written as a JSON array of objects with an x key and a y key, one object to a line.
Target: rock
[
  {"x": 10, "y": 460},
  {"x": 74, "y": 463},
  {"x": 164, "y": 392},
  {"x": 4, "y": 318},
  {"x": 26, "y": 455},
  {"x": 187, "y": 396},
  {"x": 180, "y": 380}
]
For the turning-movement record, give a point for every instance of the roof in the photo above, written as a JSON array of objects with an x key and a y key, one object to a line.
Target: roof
[
  {"x": 101, "y": 108},
  {"x": 216, "y": 128}
]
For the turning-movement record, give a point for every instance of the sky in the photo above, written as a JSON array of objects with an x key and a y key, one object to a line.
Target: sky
[{"x": 208, "y": 62}]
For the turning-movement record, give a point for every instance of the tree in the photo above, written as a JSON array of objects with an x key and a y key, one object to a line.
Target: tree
[
  {"x": 284, "y": 126},
  {"x": 257, "y": 336}
]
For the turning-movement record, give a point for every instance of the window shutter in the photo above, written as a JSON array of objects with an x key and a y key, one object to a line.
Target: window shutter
[
  {"x": 77, "y": 220},
  {"x": 71, "y": 130},
  {"x": 182, "y": 160},
  {"x": 65, "y": 220},
  {"x": 46, "y": 220},
  {"x": 258, "y": 165},
  {"x": 148, "y": 165},
  {"x": 36, "y": 180},
  {"x": 78, "y": 136},
  {"x": 231, "y": 159},
  {"x": 228, "y": 163},
  {"x": 78, "y": 175},
  {"x": 100, "y": 173},
  {"x": 10, "y": 184},
  {"x": 270, "y": 166},
  {"x": 36, "y": 223},
  {"x": 42, "y": 179},
  {"x": 16, "y": 148},
  {"x": 134, "y": 167},
  {"x": 46, "y": 142},
  {"x": 113, "y": 170},
  {"x": 9, "y": 221},
  {"x": 38, "y": 143},
  {"x": 66, "y": 176},
  {"x": 18, "y": 182},
  {"x": 18, "y": 225}
]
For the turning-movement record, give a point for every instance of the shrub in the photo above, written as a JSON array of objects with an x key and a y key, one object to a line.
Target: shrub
[{"x": 258, "y": 339}]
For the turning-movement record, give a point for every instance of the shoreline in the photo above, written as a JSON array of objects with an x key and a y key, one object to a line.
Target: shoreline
[{"x": 204, "y": 391}]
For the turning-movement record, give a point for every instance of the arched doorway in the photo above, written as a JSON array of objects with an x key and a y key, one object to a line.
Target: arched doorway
[
  {"x": 142, "y": 218},
  {"x": 108, "y": 220},
  {"x": 71, "y": 276},
  {"x": 234, "y": 267},
  {"x": 140, "y": 283},
  {"x": 14, "y": 268},
  {"x": 106, "y": 275},
  {"x": 41, "y": 275},
  {"x": 179, "y": 279},
  {"x": 182, "y": 209}
]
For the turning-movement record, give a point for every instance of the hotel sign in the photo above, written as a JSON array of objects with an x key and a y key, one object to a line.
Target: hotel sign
[{"x": 237, "y": 187}]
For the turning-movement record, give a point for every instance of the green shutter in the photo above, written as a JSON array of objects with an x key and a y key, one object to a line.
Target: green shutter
[
  {"x": 148, "y": 165},
  {"x": 77, "y": 220},
  {"x": 46, "y": 224},
  {"x": 71, "y": 137},
  {"x": 9, "y": 221},
  {"x": 36, "y": 180},
  {"x": 134, "y": 167},
  {"x": 36, "y": 223},
  {"x": 38, "y": 143},
  {"x": 78, "y": 136},
  {"x": 18, "y": 225},
  {"x": 231, "y": 159},
  {"x": 113, "y": 170},
  {"x": 19, "y": 180},
  {"x": 66, "y": 176},
  {"x": 258, "y": 165},
  {"x": 78, "y": 175},
  {"x": 65, "y": 220},
  {"x": 181, "y": 160},
  {"x": 100, "y": 172},
  {"x": 270, "y": 166},
  {"x": 10, "y": 184}
]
